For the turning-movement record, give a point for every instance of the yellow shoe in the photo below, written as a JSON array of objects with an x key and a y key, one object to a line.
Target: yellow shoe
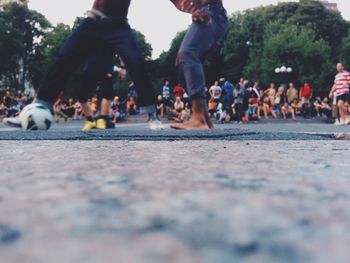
[
  {"x": 89, "y": 125},
  {"x": 101, "y": 124}
]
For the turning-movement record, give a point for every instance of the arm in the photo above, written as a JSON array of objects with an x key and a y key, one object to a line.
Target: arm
[
  {"x": 193, "y": 7},
  {"x": 187, "y": 6},
  {"x": 331, "y": 93}
]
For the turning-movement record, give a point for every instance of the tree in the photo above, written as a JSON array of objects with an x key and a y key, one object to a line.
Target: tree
[
  {"x": 344, "y": 52},
  {"x": 24, "y": 30},
  {"x": 46, "y": 52},
  {"x": 295, "y": 46}
]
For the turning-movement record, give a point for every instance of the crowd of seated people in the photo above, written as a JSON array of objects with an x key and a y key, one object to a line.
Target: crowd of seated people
[
  {"x": 12, "y": 104},
  {"x": 243, "y": 102}
]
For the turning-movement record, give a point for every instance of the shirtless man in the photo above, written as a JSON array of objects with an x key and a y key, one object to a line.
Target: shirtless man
[
  {"x": 106, "y": 30},
  {"x": 210, "y": 24}
]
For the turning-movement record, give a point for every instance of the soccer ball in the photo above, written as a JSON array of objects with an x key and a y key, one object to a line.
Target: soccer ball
[{"x": 35, "y": 117}]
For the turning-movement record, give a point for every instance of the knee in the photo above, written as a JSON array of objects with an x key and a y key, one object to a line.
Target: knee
[{"x": 186, "y": 56}]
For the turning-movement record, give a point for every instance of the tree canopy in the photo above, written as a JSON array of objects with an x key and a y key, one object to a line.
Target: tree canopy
[{"x": 303, "y": 35}]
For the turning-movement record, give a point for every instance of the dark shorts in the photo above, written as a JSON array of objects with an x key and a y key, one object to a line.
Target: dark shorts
[
  {"x": 168, "y": 102},
  {"x": 344, "y": 97},
  {"x": 217, "y": 100}
]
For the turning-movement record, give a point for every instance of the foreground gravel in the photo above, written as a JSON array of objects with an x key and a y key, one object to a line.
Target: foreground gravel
[{"x": 204, "y": 201}]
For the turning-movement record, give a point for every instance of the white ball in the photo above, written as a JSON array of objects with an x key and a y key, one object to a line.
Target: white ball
[{"x": 36, "y": 117}]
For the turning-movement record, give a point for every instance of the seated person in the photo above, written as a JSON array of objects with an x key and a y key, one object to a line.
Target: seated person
[
  {"x": 268, "y": 108},
  {"x": 3, "y": 109},
  {"x": 179, "y": 106},
  {"x": 287, "y": 109},
  {"x": 116, "y": 111},
  {"x": 296, "y": 105},
  {"x": 253, "y": 105},
  {"x": 78, "y": 114},
  {"x": 318, "y": 106},
  {"x": 160, "y": 106},
  {"x": 326, "y": 108},
  {"x": 69, "y": 108},
  {"x": 212, "y": 107},
  {"x": 131, "y": 107}
]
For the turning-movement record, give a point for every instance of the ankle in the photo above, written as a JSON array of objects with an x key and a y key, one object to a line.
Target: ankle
[{"x": 90, "y": 119}]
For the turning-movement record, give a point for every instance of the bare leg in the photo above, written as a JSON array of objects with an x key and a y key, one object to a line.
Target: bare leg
[
  {"x": 86, "y": 109},
  {"x": 199, "y": 120},
  {"x": 273, "y": 114},
  {"x": 342, "y": 111},
  {"x": 105, "y": 107},
  {"x": 284, "y": 114},
  {"x": 266, "y": 111},
  {"x": 293, "y": 114}
]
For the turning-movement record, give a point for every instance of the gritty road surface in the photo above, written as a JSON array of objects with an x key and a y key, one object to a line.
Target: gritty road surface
[{"x": 188, "y": 201}]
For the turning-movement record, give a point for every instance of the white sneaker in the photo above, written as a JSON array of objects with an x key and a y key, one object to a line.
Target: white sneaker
[
  {"x": 13, "y": 122},
  {"x": 155, "y": 125},
  {"x": 337, "y": 122}
]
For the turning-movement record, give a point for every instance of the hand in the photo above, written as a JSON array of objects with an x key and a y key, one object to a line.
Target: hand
[
  {"x": 187, "y": 6},
  {"x": 201, "y": 17},
  {"x": 122, "y": 73}
]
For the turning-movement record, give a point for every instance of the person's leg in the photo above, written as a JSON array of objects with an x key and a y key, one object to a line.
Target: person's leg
[
  {"x": 99, "y": 68},
  {"x": 72, "y": 54},
  {"x": 273, "y": 114},
  {"x": 293, "y": 113},
  {"x": 342, "y": 111},
  {"x": 284, "y": 114},
  {"x": 266, "y": 111},
  {"x": 197, "y": 42},
  {"x": 123, "y": 42}
]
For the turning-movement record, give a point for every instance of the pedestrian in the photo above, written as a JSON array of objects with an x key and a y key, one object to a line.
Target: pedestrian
[
  {"x": 292, "y": 93},
  {"x": 210, "y": 24},
  {"x": 340, "y": 90},
  {"x": 238, "y": 100},
  {"x": 215, "y": 92}
]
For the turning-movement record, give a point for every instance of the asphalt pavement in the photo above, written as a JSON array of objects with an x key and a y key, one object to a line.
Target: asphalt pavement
[{"x": 267, "y": 192}]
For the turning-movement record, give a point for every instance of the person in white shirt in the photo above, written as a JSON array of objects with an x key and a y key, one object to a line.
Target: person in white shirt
[{"x": 215, "y": 92}]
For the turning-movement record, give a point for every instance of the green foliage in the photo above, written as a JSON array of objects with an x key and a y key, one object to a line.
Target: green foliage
[
  {"x": 295, "y": 46},
  {"x": 23, "y": 31},
  {"x": 304, "y": 35}
]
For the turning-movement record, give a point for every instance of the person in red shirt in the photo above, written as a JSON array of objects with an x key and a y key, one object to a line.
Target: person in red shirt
[
  {"x": 179, "y": 91},
  {"x": 306, "y": 93}
]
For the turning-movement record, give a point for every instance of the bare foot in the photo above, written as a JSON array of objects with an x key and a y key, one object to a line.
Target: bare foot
[{"x": 192, "y": 124}]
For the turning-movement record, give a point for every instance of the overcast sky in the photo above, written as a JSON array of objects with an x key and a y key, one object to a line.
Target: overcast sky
[{"x": 157, "y": 19}]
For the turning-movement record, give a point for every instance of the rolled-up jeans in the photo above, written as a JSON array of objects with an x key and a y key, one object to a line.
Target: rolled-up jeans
[
  {"x": 199, "y": 39},
  {"x": 114, "y": 36}
]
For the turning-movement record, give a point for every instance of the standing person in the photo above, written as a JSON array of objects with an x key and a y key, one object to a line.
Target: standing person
[
  {"x": 179, "y": 91},
  {"x": 227, "y": 89},
  {"x": 106, "y": 28},
  {"x": 341, "y": 91},
  {"x": 167, "y": 95},
  {"x": 210, "y": 24},
  {"x": 292, "y": 93},
  {"x": 215, "y": 92},
  {"x": 239, "y": 99},
  {"x": 306, "y": 93},
  {"x": 271, "y": 93}
]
